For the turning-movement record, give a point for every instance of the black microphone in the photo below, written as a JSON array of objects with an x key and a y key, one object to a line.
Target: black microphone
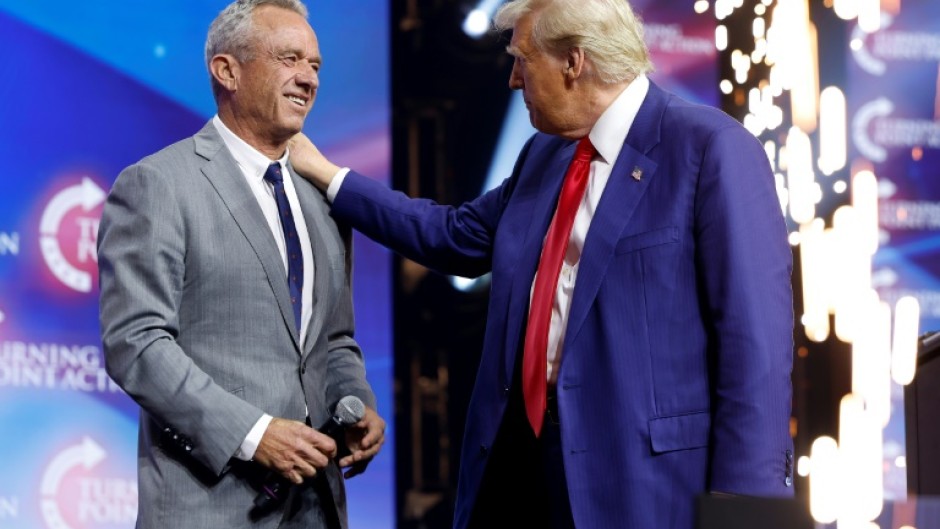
[{"x": 349, "y": 410}]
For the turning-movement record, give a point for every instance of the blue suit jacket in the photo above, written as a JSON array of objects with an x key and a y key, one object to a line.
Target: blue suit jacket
[{"x": 675, "y": 377}]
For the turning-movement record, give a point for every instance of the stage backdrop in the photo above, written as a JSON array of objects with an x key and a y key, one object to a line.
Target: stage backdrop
[
  {"x": 87, "y": 88},
  {"x": 893, "y": 94}
]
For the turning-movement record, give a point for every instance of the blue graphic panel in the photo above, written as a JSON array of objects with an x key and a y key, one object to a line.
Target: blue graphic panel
[
  {"x": 894, "y": 126},
  {"x": 895, "y": 130},
  {"x": 87, "y": 89}
]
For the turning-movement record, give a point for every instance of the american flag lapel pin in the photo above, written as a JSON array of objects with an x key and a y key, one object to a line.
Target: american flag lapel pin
[{"x": 637, "y": 174}]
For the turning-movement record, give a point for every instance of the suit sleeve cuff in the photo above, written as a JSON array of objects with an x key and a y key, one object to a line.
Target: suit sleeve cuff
[
  {"x": 248, "y": 447},
  {"x": 336, "y": 183}
]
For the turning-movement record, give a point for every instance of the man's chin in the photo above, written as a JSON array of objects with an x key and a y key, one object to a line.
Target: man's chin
[
  {"x": 537, "y": 124},
  {"x": 290, "y": 129},
  {"x": 294, "y": 117}
]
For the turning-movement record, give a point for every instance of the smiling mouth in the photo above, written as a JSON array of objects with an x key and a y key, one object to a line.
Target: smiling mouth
[{"x": 298, "y": 100}]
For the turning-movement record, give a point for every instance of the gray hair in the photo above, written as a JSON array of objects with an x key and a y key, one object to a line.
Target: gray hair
[
  {"x": 608, "y": 31},
  {"x": 232, "y": 30}
]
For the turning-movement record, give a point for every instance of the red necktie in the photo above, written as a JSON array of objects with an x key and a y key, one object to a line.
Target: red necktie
[{"x": 534, "y": 361}]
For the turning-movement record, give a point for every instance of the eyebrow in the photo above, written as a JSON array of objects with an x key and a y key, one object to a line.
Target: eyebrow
[{"x": 299, "y": 53}]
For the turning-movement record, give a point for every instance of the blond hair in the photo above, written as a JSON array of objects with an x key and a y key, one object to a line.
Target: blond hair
[{"x": 608, "y": 31}]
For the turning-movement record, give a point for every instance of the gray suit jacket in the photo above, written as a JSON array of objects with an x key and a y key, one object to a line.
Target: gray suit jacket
[{"x": 197, "y": 327}]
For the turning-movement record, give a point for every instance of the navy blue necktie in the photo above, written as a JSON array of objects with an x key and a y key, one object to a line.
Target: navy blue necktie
[{"x": 295, "y": 259}]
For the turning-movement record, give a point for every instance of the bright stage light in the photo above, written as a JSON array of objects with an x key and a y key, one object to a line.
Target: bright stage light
[{"x": 477, "y": 22}]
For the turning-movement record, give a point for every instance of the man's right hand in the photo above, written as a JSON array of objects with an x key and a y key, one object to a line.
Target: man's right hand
[
  {"x": 310, "y": 163},
  {"x": 294, "y": 450}
]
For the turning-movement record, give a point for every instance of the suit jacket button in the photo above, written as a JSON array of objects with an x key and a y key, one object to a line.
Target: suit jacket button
[
  {"x": 483, "y": 450},
  {"x": 303, "y": 369}
]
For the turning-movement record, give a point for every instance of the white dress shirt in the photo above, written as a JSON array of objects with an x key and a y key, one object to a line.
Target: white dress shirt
[
  {"x": 253, "y": 165},
  {"x": 607, "y": 136}
]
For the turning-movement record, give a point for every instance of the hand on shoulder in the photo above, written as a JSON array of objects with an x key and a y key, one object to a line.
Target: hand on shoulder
[{"x": 310, "y": 163}]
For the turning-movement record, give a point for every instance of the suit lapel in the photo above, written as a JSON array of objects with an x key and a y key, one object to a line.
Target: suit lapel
[
  {"x": 620, "y": 199},
  {"x": 550, "y": 179},
  {"x": 225, "y": 176}
]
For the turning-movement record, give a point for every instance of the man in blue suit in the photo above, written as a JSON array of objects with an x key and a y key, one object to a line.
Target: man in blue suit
[{"x": 669, "y": 342}]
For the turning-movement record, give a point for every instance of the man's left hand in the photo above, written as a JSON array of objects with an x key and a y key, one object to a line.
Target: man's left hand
[{"x": 364, "y": 439}]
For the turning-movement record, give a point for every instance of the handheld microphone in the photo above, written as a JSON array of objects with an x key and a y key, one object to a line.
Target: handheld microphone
[{"x": 349, "y": 410}]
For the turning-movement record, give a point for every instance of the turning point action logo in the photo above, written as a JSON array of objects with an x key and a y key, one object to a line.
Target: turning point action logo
[
  {"x": 874, "y": 52},
  {"x": 875, "y": 131},
  {"x": 68, "y": 234},
  {"x": 72, "y": 497}
]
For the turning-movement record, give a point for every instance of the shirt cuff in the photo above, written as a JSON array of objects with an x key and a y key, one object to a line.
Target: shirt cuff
[
  {"x": 248, "y": 447},
  {"x": 337, "y": 182}
]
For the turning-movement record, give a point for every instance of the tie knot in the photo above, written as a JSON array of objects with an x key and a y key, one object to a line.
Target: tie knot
[
  {"x": 273, "y": 174},
  {"x": 585, "y": 150}
]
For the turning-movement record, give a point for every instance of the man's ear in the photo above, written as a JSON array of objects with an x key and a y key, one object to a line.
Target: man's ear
[
  {"x": 225, "y": 69},
  {"x": 574, "y": 63}
]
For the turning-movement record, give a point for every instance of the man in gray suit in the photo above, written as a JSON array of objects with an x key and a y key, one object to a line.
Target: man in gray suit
[{"x": 226, "y": 310}]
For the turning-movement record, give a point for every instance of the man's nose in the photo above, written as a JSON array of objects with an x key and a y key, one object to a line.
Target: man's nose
[
  {"x": 515, "y": 78},
  {"x": 308, "y": 79}
]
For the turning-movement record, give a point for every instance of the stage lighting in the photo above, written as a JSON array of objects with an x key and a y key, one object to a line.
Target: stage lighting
[{"x": 477, "y": 22}]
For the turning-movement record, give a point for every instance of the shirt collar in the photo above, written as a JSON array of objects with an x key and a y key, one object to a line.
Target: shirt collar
[
  {"x": 610, "y": 131},
  {"x": 249, "y": 159}
]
